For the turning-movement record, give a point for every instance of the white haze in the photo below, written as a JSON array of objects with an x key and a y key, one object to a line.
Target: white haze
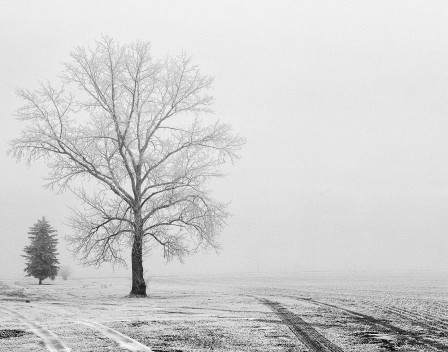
[{"x": 344, "y": 105}]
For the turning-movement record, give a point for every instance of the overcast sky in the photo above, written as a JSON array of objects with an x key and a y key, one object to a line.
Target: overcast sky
[{"x": 344, "y": 105}]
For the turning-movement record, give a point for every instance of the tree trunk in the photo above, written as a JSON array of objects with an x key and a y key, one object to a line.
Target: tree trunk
[
  {"x": 40, "y": 281},
  {"x": 138, "y": 281}
]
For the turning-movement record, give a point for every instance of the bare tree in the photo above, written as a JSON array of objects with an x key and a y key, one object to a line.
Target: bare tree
[
  {"x": 65, "y": 271},
  {"x": 123, "y": 134}
]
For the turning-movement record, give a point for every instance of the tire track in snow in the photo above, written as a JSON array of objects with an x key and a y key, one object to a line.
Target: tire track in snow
[
  {"x": 122, "y": 340},
  {"x": 427, "y": 321},
  {"x": 51, "y": 341},
  {"x": 303, "y": 330},
  {"x": 381, "y": 324}
]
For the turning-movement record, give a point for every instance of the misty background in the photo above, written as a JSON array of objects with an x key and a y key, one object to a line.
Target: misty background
[{"x": 344, "y": 105}]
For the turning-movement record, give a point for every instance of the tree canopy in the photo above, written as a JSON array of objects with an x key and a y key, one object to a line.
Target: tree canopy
[{"x": 41, "y": 260}]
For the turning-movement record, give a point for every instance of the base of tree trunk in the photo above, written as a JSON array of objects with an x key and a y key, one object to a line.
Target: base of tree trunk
[{"x": 137, "y": 295}]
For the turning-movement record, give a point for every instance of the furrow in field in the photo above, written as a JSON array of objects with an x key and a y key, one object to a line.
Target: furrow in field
[
  {"x": 304, "y": 331},
  {"x": 382, "y": 325},
  {"x": 122, "y": 340},
  {"x": 443, "y": 310},
  {"x": 428, "y": 321},
  {"x": 51, "y": 341}
]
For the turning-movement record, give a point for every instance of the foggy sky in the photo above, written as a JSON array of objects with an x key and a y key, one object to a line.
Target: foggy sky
[{"x": 344, "y": 105}]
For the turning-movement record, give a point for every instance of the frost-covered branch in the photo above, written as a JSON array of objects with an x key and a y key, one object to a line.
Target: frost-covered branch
[{"x": 128, "y": 127}]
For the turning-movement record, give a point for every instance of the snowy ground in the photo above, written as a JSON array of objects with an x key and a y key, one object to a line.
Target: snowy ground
[{"x": 306, "y": 312}]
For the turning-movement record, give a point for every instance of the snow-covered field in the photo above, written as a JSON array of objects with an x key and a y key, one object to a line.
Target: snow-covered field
[{"x": 303, "y": 312}]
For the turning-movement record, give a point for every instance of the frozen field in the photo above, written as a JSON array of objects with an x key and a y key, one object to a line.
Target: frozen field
[{"x": 303, "y": 312}]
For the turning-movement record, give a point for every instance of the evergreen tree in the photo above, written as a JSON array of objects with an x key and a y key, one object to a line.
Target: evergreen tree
[{"x": 41, "y": 253}]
